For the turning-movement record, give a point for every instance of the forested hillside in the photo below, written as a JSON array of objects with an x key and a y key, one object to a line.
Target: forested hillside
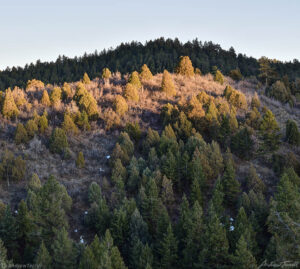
[
  {"x": 195, "y": 167},
  {"x": 158, "y": 54}
]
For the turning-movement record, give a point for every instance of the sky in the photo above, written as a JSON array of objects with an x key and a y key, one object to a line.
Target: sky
[{"x": 34, "y": 30}]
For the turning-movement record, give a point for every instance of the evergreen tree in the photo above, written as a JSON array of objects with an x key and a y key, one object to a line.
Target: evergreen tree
[
  {"x": 64, "y": 255},
  {"x": 5, "y": 263},
  {"x": 43, "y": 122},
  {"x": 58, "y": 141},
  {"x": 34, "y": 183},
  {"x": 120, "y": 105},
  {"x": 86, "y": 79},
  {"x": 131, "y": 93},
  {"x": 185, "y": 67},
  {"x": 218, "y": 77},
  {"x": 83, "y": 121},
  {"x": 292, "y": 135},
  {"x": 45, "y": 99},
  {"x": 193, "y": 243},
  {"x": 43, "y": 257},
  {"x": 145, "y": 73},
  {"x": 243, "y": 257},
  {"x": 167, "y": 85},
  {"x": 135, "y": 80},
  {"x": 167, "y": 194},
  {"x": 80, "y": 163},
  {"x": 31, "y": 128},
  {"x": 21, "y": 135},
  {"x": 267, "y": 73},
  {"x": 9, "y": 107},
  {"x": 215, "y": 251},
  {"x": 69, "y": 126},
  {"x": 66, "y": 91},
  {"x": 55, "y": 96},
  {"x": 255, "y": 102},
  {"x": 106, "y": 74},
  {"x": 231, "y": 186},
  {"x": 168, "y": 250},
  {"x": 270, "y": 131},
  {"x": 9, "y": 232}
]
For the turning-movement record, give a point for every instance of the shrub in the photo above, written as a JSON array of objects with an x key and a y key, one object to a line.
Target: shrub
[
  {"x": 21, "y": 135},
  {"x": 58, "y": 141},
  {"x": 185, "y": 67},
  {"x": 80, "y": 163},
  {"x": 120, "y": 105},
  {"x": 198, "y": 71},
  {"x": 131, "y": 93},
  {"x": 145, "y": 73},
  {"x": 167, "y": 85},
  {"x": 111, "y": 119}
]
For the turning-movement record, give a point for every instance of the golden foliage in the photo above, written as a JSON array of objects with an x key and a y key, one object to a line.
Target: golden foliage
[
  {"x": 120, "y": 105},
  {"x": 185, "y": 67},
  {"x": 167, "y": 85},
  {"x": 131, "y": 93}
]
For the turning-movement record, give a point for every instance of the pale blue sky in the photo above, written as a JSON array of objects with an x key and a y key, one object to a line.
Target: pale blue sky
[{"x": 37, "y": 29}]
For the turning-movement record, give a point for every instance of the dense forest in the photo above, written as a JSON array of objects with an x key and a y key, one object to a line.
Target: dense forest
[
  {"x": 158, "y": 54},
  {"x": 187, "y": 168}
]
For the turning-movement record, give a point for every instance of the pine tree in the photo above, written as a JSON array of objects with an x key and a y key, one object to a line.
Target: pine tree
[
  {"x": 83, "y": 121},
  {"x": 254, "y": 182},
  {"x": 106, "y": 74},
  {"x": 86, "y": 79},
  {"x": 231, "y": 186},
  {"x": 120, "y": 105},
  {"x": 134, "y": 80},
  {"x": 218, "y": 77},
  {"x": 193, "y": 243},
  {"x": 215, "y": 251},
  {"x": 292, "y": 135},
  {"x": 66, "y": 91},
  {"x": 218, "y": 197},
  {"x": 145, "y": 73},
  {"x": 167, "y": 193},
  {"x": 9, "y": 232},
  {"x": 255, "y": 102},
  {"x": 131, "y": 93},
  {"x": 31, "y": 128},
  {"x": 167, "y": 85},
  {"x": 43, "y": 122},
  {"x": 243, "y": 257},
  {"x": 64, "y": 255},
  {"x": 69, "y": 126},
  {"x": 185, "y": 67},
  {"x": 9, "y": 108},
  {"x": 80, "y": 163},
  {"x": 5, "y": 263},
  {"x": 267, "y": 73},
  {"x": 88, "y": 259},
  {"x": 270, "y": 131},
  {"x": 55, "y": 96},
  {"x": 45, "y": 99},
  {"x": 58, "y": 141},
  {"x": 21, "y": 135},
  {"x": 34, "y": 183},
  {"x": 168, "y": 250}
]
